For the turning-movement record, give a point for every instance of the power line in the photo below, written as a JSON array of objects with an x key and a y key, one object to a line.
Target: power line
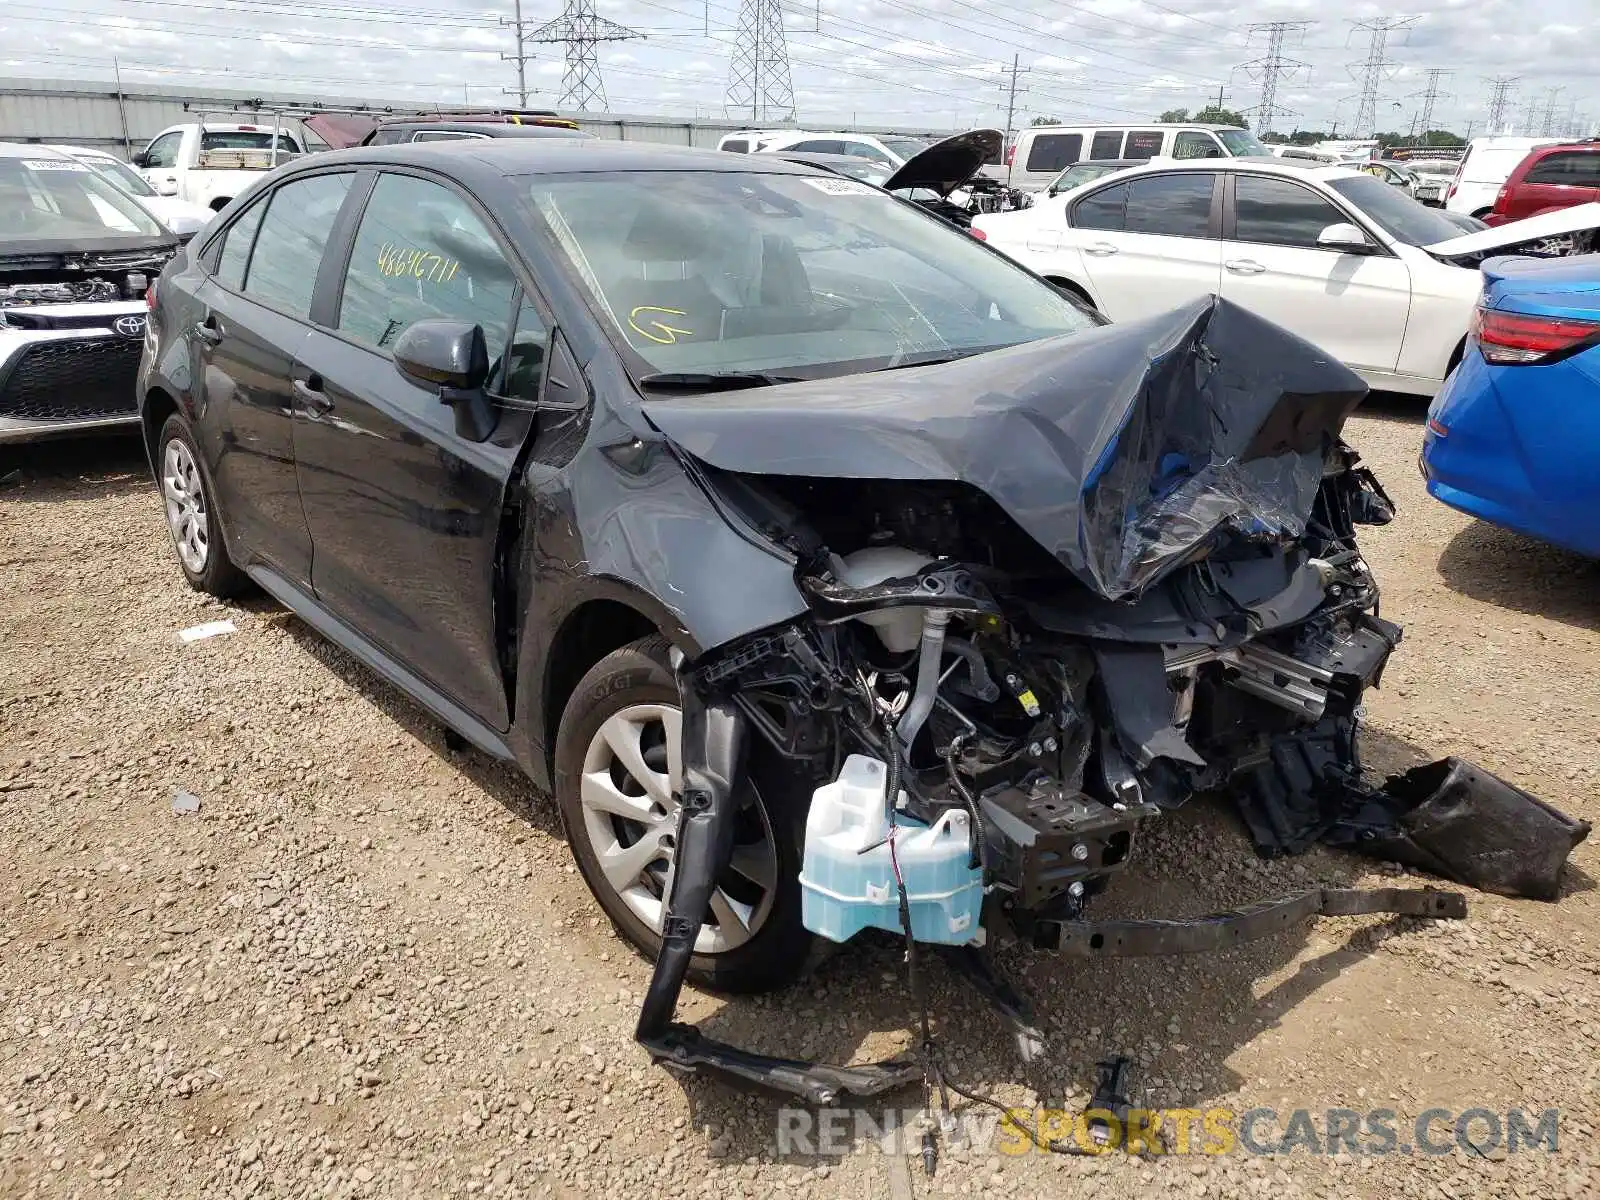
[
  {"x": 1377, "y": 69},
  {"x": 1271, "y": 67},
  {"x": 582, "y": 29},
  {"x": 758, "y": 73},
  {"x": 1500, "y": 89}
]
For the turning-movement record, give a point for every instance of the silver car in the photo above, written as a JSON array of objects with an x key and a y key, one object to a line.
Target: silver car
[{"x": 77, "y": 255}]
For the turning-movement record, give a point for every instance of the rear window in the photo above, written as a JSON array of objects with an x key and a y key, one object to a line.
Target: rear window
[
  {"x": 1052, "y": 151},
  {"x": 737, "y": 146},
  {"x": 1569, "y": 168},
  {"x": 243, "y": 139}
]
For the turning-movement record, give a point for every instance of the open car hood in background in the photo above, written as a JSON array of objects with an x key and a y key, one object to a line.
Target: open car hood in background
[
  {"x": 1577, "y": 219},
  {"x": 945, "y": 166},
  {"x": 1122, "y": 450}
]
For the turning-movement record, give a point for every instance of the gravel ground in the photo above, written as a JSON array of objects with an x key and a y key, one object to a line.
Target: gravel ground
[{"x": 367, "y": 967}]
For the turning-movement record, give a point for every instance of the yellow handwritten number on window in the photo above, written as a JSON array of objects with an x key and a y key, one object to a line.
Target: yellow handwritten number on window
[{"x": 659, "y": 330}]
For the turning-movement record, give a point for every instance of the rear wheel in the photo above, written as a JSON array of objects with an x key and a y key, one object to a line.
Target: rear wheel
[
  {"x": 618, "y": 782},
  {"x": 187, "y": 499}
]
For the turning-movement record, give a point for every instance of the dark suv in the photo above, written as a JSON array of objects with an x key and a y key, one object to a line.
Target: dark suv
[
  {"x": 1549, "y": 178},
  {"x": 685, "y": 480}
]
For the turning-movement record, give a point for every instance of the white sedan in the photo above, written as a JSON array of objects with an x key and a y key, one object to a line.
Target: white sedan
[{"x": 1349, "y": 263}]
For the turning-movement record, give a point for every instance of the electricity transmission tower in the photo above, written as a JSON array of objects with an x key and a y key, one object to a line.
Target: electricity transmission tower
[
  {"x": 582, "y": 29},
  {"x": 1273, "y": 66},
  {"x": 1500, "y": 89},
  {"x": 1376, "y": 69},
  {"x": 1430, "y": 96},
  {"x": 1549, "y": 126},
  {"x": 758, "y": 77}
]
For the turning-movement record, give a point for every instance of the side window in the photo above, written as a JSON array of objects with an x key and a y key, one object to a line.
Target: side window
[
  {"x": 1143, "y": 143},
  {"x": 289, "y": 245},
  {"x": 1569, "y": 169},
  {"x": 1052, "y": 151},
  {"x": 1276, "y": 212},
  {"x": 236, "y": 243},
  {"x": 1193, "y": 143},
  {"x": 420, "y": 253},
  {"x": 737, "y": 146},
  {"x": 819, "y": 146},
  {"x": 1103, "y": 210},
  {"x": 387, "y": 137},
  {"x": 445, "y": 135},
  {"x": 163, "y": 152},
  {"x": 1107, "y": 144},
  {"x": 1173, "y": 205},
  {"x": 524, "y": 367}
]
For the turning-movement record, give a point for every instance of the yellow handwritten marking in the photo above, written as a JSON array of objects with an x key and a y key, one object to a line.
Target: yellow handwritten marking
[
  {"x": 665, "y": 334},
  {"x": 396, "y": 261}
]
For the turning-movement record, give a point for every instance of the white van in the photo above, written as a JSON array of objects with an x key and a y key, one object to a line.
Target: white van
[
  {"x": 1486, "y": 165},
  {"x": 1041, "y": 152}
]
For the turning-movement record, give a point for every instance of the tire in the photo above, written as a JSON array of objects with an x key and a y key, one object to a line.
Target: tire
[
  {"x": 633, "y": 690},
  {"x": 193, "y": 521}
]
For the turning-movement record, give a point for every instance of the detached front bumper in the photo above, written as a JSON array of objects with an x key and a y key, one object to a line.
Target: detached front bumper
[{"x": 74, "y": 377}]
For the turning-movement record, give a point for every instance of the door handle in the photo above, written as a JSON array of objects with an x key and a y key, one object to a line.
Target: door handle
[
  {"x": 310, "y": 391},
  {"x": 1244, "y": 266},
  {"x": 209, "y": 331},
  {"x": 1100, "y": 249}
]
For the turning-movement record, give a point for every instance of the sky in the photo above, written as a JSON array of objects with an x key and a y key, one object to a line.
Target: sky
[{"x": 914, "y": 64}]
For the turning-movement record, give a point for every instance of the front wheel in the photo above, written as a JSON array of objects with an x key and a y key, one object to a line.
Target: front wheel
[
  {"x": 618, "y": 782},
  {"x": 189, "y": 503}
]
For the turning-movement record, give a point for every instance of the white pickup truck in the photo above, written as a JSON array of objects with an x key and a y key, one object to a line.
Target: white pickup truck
[{"x": 209, "y": 163}]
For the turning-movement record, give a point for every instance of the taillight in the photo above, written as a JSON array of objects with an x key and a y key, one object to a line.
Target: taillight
[
  {"x": 1011, "y": 155},
  {"x": 978, "y": 233},
  {"x": 1517, "y": 339}
]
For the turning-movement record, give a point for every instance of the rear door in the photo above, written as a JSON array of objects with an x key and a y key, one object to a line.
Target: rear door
[
  {"x": 1354, "y": 306},
  {"x": 1149, "y": 244},
  {"x": 1558, "y": 179},
  {"x": 257, "y": 312},
  {"x": 405, "y": 513}
]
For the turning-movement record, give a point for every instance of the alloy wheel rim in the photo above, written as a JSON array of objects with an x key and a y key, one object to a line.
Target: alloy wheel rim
[
  {"x": 185, "y": 497},
  {"x": 629, "y": 792}
]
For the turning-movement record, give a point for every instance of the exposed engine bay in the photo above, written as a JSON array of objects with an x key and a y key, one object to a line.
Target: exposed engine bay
[
  {"x": 1050, "y": 619},
  {"x": 34, "y": 280}
]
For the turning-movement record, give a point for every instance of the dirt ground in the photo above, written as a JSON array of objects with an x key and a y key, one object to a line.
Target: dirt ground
[{"x": 367, "y": 967}]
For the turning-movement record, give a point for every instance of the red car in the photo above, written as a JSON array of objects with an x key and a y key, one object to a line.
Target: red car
[{"x": 1551, "y": 177}]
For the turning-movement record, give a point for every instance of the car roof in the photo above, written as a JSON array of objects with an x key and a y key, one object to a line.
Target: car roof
[
  {"x": 1133, "y": 125},
  {"x": 1268, "y": 164},
  {"x": 82, "y": 152},
  {"x": 551, "y": 156},
  {"x": 27, "y": 150}
]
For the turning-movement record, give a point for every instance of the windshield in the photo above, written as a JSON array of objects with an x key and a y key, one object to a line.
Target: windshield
[
  {"x": 1081, "y": 173},
  {"x": 728, "y": 272},
  {"x": 1400, "y": 216},
  {"x": 1241, "y": 143},
  {"x": 57, "y": 199},
  {"x": 124, "y": 176},
  {"x": 241, "y": 139},
  {"x": 906, "y": 148}
]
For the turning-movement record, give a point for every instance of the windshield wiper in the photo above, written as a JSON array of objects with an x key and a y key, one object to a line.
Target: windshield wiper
[
  {"x": 713, "y": 381},
  {"x": 937, "y": 356}
]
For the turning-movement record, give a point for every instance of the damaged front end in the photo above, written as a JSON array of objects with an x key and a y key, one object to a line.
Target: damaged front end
[{"x": 1052, "y": 592}]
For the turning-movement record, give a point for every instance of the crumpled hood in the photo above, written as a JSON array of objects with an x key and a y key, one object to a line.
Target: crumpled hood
[{"x": 1122, "y": 450}]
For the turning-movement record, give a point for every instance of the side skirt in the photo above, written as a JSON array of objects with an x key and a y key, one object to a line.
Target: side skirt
[{"x": 336, "y": 631}]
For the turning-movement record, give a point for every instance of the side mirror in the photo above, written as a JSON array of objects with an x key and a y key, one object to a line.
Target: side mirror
[
  {"x": 452, "y": 358},
  {"x": 141, "y": 160},
  {"x": 166, "y": 187},
  {"x": 1346, "y": 239}
]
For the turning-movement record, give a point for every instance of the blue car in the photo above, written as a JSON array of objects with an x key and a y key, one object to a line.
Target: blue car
[{"x": 1513, "y": 438}]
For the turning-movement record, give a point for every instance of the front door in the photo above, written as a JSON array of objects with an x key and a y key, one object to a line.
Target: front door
[
  {"x": 1354, "y": 306},
  {"x": 405, "y": 513},
  {"x": 256, "y": 316},
  {"x": 1149, "y": 245}
]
